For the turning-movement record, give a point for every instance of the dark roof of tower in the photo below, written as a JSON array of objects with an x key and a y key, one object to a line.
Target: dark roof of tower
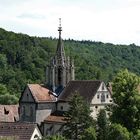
[{"x": 87, "y": 89}]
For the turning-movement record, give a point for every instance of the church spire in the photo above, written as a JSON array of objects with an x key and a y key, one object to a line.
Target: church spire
[
  {"x": 61, "y": 69},
  {"x": 60, "y": 53}
]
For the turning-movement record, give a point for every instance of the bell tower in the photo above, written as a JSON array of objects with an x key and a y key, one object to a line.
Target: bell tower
[{"x": 61, "y": 68}]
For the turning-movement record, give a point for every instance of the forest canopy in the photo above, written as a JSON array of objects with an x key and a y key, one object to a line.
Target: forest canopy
[{"x": 23, "y": 59}]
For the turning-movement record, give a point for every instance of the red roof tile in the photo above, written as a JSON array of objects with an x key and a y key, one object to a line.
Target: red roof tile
[
  {"x": 9, "y": 113},
  {"x": 41, "y": 94},
  {"x": 51, "y": 118}
]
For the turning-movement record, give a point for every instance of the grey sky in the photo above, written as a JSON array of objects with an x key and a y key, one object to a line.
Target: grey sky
[{"x": 114, "y": 21}]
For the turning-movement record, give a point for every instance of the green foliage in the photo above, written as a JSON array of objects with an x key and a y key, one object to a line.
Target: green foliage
[
  {"x": 3, "y": 89},
  {"x": 118, "y": 132},
  {"x": 77, "y": 118},
  {"x": 102, "y": 125},
  {"x": 125, "y": 95},
  {"x": 137, "y": 136},
  {"x": 6, "y": 97},
  {"x": 89, "y": 134},
  {"x": 55, "y": 137},
  {"x": 23, "y": 59}
]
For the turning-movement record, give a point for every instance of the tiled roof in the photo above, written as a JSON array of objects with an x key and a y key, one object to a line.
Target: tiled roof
[
  {"x": 23, "y": 131},
  {"x": 9, "y": 113},
  {"x": 51, "y": 118},
  {"x": 40, "y": 93},
  {"x": 87, "y": 89}
]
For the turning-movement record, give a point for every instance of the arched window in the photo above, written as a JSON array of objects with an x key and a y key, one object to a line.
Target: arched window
[{"x": 59, "y": 75}]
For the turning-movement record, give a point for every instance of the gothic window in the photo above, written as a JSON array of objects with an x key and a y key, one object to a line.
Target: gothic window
[
  {"x": 59, "y": 75},
  {"x": 102, "y": 97},
  {"x": 98, "y": 96}
]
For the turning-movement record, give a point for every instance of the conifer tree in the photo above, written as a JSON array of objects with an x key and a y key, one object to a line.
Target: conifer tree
[
  {"x": 102, "y": 125},
  {"x": 77, "y": 118}
]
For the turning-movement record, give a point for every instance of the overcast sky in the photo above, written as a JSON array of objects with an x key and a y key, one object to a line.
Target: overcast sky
[{"x": 114, "y": 21}]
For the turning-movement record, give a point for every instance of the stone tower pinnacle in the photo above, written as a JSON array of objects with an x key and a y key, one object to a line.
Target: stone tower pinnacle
[{"x": 61, "y": 69}]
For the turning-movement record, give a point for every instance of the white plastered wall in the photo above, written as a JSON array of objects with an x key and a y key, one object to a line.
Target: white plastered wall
[{"x": 36, "y": 134}]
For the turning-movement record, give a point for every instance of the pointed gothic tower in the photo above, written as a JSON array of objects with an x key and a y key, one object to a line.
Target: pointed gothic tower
[{"x": 61, "y": 68}]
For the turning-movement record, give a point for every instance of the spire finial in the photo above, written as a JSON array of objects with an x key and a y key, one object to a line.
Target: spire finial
[
  {"x": 59, "y": 28},
  {"x": 59, "y": 22}
]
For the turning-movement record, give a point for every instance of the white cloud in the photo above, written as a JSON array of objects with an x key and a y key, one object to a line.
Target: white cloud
[{"x": 115, "y": 21}]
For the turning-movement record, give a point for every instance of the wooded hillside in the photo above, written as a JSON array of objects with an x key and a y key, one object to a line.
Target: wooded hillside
[{"x": 23, "y": 59}]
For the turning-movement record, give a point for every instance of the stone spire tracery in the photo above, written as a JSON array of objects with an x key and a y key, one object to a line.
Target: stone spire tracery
[{"x": 61, "y": 69}]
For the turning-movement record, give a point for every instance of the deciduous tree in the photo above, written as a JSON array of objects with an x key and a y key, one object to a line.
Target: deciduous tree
[{"x": 127, "y": 100}]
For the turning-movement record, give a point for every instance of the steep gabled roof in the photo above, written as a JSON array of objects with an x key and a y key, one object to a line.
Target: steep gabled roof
[
  {"x": 23, "y": 131},
  {"x": 9, "y": 113},
  {"x": 87, "y": 89},
  {"x": 40, "y": 93}
]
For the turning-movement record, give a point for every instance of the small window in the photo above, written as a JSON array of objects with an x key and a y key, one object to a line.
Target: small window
[
  {"x": 61, "y": 107},
  {"x": 98, "y": 96},
  {"x": 110, "y": 100},
  {"x": 96, "y": 107},
  {"x": 107, "y": 96},
  {"x": 36, "y": 137}
]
